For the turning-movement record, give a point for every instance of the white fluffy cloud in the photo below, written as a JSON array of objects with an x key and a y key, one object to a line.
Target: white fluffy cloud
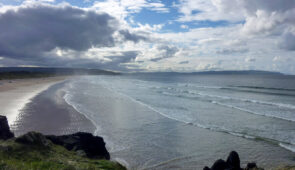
[{"x": 121, "y": 8}]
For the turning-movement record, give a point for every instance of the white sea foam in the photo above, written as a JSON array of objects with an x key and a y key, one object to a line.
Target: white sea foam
[
  {"x": 288, "y": 147},
  {"x": 256, "y": 113}
]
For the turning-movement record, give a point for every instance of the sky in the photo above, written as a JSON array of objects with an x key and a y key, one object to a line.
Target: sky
[{"x": 149, "y": 35}]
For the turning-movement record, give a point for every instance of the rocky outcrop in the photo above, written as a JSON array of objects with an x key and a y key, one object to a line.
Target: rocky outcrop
[
  {"x": 85, "y": 144},
  {"x": 232, "y": 163},
  {"x": 5, "y": 132},
  {"x": 33, "y": 138},
  {"x": 82, "y": 143}
]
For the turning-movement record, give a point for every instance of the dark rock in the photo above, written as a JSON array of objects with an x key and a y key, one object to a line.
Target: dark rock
[
  {"x": 232, "y": 163},
  {"x": 233, "y": 160},
  {"x": 5, "y": 132},
  {"x": 93, "y": 146},
  {"x": 251, "y": 165},
  {"x": 206, "y": 168},
  {"x": 220, "y": 165},
  {"x": 33, "y": 138}
]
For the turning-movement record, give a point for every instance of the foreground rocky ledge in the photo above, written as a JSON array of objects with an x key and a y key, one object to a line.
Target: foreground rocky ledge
[{"x": 37, "y": 151}]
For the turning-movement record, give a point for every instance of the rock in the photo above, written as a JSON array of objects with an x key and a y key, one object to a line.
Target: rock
[
  {"x": 251, "y": 166},
  {"x": 92, "y": 146},
  {"x": 33, "y": 138},
  {"x": 232, "y": 163},
  {"x": 220, "y": 165},
  {"x": 233, "y": 160},
  {"x": 5, "y": 132},
  {"x": 206, "y": 168}
]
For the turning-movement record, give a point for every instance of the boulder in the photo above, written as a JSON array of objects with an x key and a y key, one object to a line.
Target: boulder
[
  {"x": 33, "y": 138},
  {"x": 232, "y": 163},
  {"x": 251, "y": 166},
  {"x": 5, "y": 132},
  {"x": 220, "y": 165},
  {"x": 233, "y": 160},
  {"x": 92, "y": 146}
]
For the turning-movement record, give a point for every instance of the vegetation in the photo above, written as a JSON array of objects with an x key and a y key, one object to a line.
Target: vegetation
[
  {"x": 38, "y": 72},
  {"x": 23, "y": 75},
  {"x": 286, "y": 168},
  {"x": 14, "y": 156}
]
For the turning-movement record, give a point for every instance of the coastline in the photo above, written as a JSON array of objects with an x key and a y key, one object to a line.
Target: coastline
[
  {"x": 48, "y": 113},
  {"x": 16, "y": 93}
]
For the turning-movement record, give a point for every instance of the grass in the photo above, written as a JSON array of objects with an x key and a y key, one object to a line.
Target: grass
[
  {"x": 15, "y": 156},
  {"x": 286, "y": 168}
]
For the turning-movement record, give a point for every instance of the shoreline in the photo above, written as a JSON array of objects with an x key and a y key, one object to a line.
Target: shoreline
[
  {"x": 50, "y": 114},
  {"x": 16, "y": 93}
]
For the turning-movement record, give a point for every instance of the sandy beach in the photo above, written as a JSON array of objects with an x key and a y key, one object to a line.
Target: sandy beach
[
  {"x": 38, "y": 105},
  {"x": 14, "y": 94}
]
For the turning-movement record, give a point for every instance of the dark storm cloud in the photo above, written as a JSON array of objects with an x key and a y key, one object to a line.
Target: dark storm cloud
[
  {"x": 30, "y": 31},
  {"x": 132, "y": 37},
  {"x": 31, "y": 34}
]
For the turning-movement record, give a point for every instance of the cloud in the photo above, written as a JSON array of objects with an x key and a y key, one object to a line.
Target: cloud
[
  {"x": 227, "y": 51},
  {"x": 165, "y": 51},
  {"x": 109, "y": 34},
  {"x": 213, "y": 10},
  {"x": 63, "y": 35},
  {"x": 250, "y": 59},
  {"x": 183, "y": 62},
  {"x": 31, "y": 31},
  {"x": 127, "y": 36},
  {"x": 184, "y": 26},
  {"x": 288, "y": 42},
  {"x": 122, "y": 8}
]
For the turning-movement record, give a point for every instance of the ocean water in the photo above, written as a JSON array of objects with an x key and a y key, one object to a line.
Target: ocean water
[{"x": 183, "y": 121}]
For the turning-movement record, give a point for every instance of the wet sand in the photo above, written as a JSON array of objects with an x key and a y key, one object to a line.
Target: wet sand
[
  {"x": 48, "y": 113},
  {"x": 14, "y": 94}
]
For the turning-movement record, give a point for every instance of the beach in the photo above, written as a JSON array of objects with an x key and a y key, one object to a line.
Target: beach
[
  {"x": 48, "y": 113},
  {"x": 140, "y": 135},
  {"x": 14, "y": 94}
]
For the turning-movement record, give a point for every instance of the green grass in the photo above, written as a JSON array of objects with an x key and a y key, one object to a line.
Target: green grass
[
  {"x": 15, "y": 156},
  {"x": 288, "y": 167}
]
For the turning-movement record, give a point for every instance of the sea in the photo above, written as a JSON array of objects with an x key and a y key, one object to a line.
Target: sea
[{"x": 187, "y": 121}]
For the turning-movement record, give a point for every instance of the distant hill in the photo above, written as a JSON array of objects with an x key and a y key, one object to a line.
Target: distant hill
[
  {"x": 227, "y": 72},
  {"x": 31, "y": 72},
  {"x": 238, "y": 72}
]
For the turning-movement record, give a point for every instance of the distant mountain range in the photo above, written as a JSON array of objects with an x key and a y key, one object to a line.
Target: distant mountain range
[
  {"x": 35, "y": 72},
  {"x": 228, "y": 72},
  {"x": 66, "y": 71}
]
